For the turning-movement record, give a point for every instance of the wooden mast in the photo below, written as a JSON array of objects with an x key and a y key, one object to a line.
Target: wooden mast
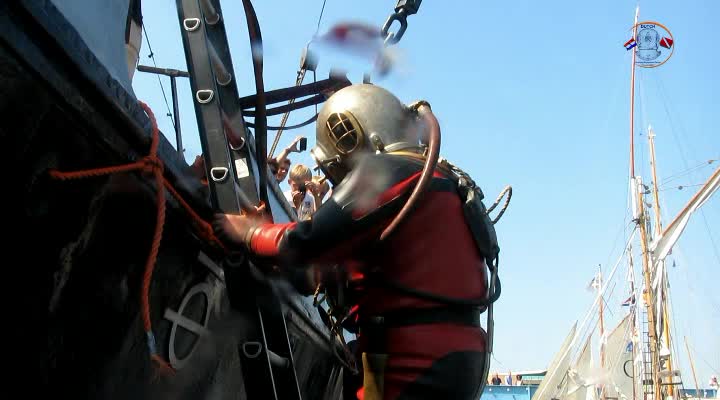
[
  {"x": 641, "y": 220},
  {"x": 692, "y": 366},
  {"x": 602, "y": 325},
  {"x": 633, "y": 320},
  {"x": 632, "y": 99},
  {"x": 658, "y": 230}
]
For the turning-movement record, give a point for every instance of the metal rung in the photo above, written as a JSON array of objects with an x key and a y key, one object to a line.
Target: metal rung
[
  {"x": 191, "y": 24},
  {"x": 222, "y": 76},
  {"x": 212, "y": 17},
  {"x": 252, "y": 349},
  {"x": 278, "y": 361},
  {"x": 204, "y": 96}
]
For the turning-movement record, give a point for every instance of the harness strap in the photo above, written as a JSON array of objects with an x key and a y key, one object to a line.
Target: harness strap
[
  {"x": 378, "y": 278},
  {"x": 374, "y": 327},
  {"x": 469, "y": 316}
]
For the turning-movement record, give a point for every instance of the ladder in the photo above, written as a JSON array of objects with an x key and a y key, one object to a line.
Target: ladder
[
  {"x": 267, "y": 363},
  {"x": 648, "y": 378}
]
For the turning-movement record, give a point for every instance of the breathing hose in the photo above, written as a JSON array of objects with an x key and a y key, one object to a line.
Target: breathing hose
[{"x": 424, "y": 111}]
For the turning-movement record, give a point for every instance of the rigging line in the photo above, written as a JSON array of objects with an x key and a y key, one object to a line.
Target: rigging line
[
  {"x": 682, "y": 155},
  {"x": 674, "y": 328},
  {"x": 643, "y": 121},
  {"x": 298, "y": 81},
  {"x": 687, "y": 171},
  {"x": 661, "y": 90},
  {"x": 498, "y": 361},
  {"x": 681, "y": 128},
  {"x": 679, "y": 187},
  {"x": 162, "y": 88},
  {"x": 623, "y": 228},
  {"x": 322, "y": 10},
  {"x": 712, "y": 238},
  {"x": 698, "y": 354},
  {"x": 688, "y": 279}
]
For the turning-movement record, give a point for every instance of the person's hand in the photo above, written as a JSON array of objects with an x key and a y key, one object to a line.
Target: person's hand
[
  {"x": 298, "y": 197},
  {"x": 295, "y": 145},
  {"x": 312, "y": 187},
  {"x": 233, "y": 228}
]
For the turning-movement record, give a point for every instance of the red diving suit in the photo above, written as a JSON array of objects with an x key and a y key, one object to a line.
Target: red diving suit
[{"x": 435, "y": 348}]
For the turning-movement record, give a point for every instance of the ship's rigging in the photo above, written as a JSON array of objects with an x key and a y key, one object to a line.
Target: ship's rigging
[{"x": 644, "y": 345}]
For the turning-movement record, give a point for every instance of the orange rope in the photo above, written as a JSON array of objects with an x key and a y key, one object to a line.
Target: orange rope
[{"x": 150, "y": 164}]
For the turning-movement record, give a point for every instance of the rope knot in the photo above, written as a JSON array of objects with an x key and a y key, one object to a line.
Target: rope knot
[{"x": 151, "y": 165}]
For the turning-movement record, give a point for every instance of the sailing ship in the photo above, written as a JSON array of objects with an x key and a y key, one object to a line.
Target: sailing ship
[{"x": 637, "y": 358}]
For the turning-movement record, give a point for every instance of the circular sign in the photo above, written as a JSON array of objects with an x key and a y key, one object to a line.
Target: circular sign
[{"x": 653, "y": 43}]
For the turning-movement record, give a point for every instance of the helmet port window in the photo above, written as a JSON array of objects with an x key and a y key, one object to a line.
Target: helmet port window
[{"x": 344, "y": 131}]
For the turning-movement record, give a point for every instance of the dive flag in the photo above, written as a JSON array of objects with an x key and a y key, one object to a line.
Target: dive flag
[
  {"x": 630, "y": 300},
  {"x": 666, "y": 42},
  {"x": 630, "y": 44}
]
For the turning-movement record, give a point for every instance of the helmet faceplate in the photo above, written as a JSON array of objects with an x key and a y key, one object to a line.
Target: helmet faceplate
[{"x": 359, "y": 119}]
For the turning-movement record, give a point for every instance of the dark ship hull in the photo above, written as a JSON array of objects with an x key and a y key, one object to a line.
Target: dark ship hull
[{"x": 80, "y": 247}]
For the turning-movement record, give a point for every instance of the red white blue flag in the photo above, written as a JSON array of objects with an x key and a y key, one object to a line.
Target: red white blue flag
[
  {"x": 630, "y": 300},
  {"x": 630, "y": 44}
]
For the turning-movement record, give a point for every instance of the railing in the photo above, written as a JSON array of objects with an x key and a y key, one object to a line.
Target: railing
[
  {"x": 505, "y": 392},
  {"x": 699, "y": 393}
]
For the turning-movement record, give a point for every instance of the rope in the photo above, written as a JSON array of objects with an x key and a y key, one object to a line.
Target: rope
[
  {"x": 150, "y": 164},
  {"x": 508, "y": 191}
]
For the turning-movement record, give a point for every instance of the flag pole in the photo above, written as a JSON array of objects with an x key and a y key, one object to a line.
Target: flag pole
[{"x": 632, "y": 98}]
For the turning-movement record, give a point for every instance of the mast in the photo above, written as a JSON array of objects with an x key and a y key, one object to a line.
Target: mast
[
  {"x": 658, "y": 231},
  {"x": 656, "y": 196},
  {"x": 633, "y": 320},
  {"x": 602, "y": 325},
  {"x": 692, "y": 366},
  {"x": 641, "y": 220},
  {"x": 649, "y": 296},
  {"x": 632, "y": 98}
]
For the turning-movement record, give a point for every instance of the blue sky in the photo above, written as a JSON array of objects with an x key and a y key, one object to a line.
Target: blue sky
[{"x": 535, "y": 95}]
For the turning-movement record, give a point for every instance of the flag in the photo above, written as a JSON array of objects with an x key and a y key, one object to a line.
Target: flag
[
  {"x": 594, "y": 284},
  {"x": 629, "y": 347},
  {"x": 629, "y": 301},
  {"x": 361, "y": 40},
  {"x": 630, "y": 44},
  {"x": 666, "y": 42}
]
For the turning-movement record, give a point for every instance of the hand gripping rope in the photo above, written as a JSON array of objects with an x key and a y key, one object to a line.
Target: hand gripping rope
[{"x": 150, "y": 165}]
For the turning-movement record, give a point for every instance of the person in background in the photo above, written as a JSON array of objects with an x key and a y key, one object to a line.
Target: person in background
[
  {"x": 319, "y": 187},
  {"x": 518, "y": 380},
  {"x": 508, "y": 378},
  {"x": 496, "y": 379},
  {"x": 298, "y": 195},
  {"x": 280, "y": 164},
  {"x": 280, "y": 171}
]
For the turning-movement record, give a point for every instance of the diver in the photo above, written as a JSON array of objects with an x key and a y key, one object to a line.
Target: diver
[{"x": 420, "y": 291}]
